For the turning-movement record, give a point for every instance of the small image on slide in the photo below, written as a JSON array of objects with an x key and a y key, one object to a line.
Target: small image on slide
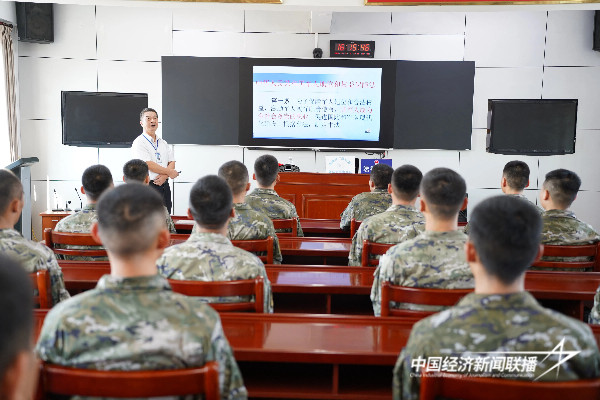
[{"x": 316, "y": 103}]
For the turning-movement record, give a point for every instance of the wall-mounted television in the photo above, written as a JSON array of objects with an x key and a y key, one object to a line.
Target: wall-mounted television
[
  {"x": 101, "y": 119},
  {"x": 532, "y": 126},
  {"x": 316, "y": 103}
]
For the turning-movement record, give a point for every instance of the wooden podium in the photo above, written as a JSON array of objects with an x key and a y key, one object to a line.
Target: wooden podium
[{"x": 318, "y": 195}]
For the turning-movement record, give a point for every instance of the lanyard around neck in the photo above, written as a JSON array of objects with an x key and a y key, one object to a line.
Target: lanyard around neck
[{"x": 152, "y": 144}]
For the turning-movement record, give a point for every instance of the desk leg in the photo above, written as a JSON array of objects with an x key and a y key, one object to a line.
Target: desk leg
[{"x": 328, "y": 306}]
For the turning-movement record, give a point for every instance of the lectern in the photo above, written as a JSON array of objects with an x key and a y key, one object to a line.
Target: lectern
[{"x": 22, "y": 170}]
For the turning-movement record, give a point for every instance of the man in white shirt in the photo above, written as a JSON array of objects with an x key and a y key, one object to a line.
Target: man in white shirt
[{"x": 155, "y": 151}]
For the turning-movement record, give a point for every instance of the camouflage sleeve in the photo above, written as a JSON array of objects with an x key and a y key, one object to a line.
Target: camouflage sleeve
[
  {"x": 355, "y": 256},
  {"x": 268, "y": 293},
  {"x": 300, "y": 232},
  {"x": 466, "y": 229},
  {"x": 49, "y": 344},
  {"x": 57, "y": 284},
  {"x": 595, "y": 313},
  {"x": 170, "y": 223},
  {"x": 277, "y": 257},
  {"x": 346, "y": 217},
  {"x": 404, "y": 386},
  {"x": 376, "y": 289},
  {"x": 231, "y": 384}
]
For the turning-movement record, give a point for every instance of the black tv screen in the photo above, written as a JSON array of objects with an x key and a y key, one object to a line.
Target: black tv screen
[
  {"x": 316, "y": 103},
  {"x": 101, "y": 119},
  {"x": 532, "y": 127}
]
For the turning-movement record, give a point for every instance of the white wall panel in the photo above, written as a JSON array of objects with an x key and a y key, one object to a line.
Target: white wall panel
[
  {"x": 428, "y": 47},
  {"x": 576, "y": 83},
  {"x": 277, "y": 21},
  {"x": 196, "y": 161},
  {"x": 42, "y": 79},
  {"x": 181, "y": 192},
  {"x": 352, "y": 23},
  {"x": 278, "y": 45},
  {"x": 382, "y": 43},
  {"x": 320, "y": 21},
  {"x": 425, "y": 160},
  {"x": 43, "y": 139},
  {"x": 585, "y": 208},
  {"x": 8, "y": 11},
  {"x": 114, "y": 159},
  {"x": 204, "y": 19},
  {"x": 74, "y": 34},
  {"x": 570, "y": 39},
  {"x": 132, "y": 77},
  {"x": 506, "y": 39},
  {"x": 428, "y": 23},
  {"x": 484, "y": 170},
  {"x": 214, "y": 44},
  {"x": 133, "y": 33},
  {"x": 503, "y": 83},
  {"x": 585, "y": 162}
]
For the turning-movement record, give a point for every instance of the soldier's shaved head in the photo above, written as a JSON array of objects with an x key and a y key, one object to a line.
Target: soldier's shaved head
[
  {"x": 506, "y": 231},
  {"x": 135, "y": 170},
  {"x": 444, "y": 192},
  {"x": 130, "y": 218},
  {"x": 516, "y": 174},
  {"x": 10, "y": 189},
  {"x": 236, "y": 175},
  {"x": 563, "y": 186},
  {"x": 406, "y": 181},
  {"x": 266, "y": 169},
  {"x": 381, "y": 175},
  {"x": 95, "y": 180},
  {"x": 211, "y": 202}
]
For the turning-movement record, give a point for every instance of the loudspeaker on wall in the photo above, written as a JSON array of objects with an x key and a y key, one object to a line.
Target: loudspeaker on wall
[{"x": 35, "y": 22}]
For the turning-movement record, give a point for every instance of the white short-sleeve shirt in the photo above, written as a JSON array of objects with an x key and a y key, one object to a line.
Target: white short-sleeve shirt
[{"x": 144, "y": 148}]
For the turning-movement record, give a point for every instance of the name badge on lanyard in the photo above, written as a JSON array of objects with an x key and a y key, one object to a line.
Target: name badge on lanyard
[
  {"x": 158, "y": 157},
  {"x": 157, "y": 153}
]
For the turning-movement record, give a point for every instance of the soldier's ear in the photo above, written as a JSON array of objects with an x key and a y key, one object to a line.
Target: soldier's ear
[
  {"x": 82, "y": 190},
  {"x": 189, "y": 214},
  {"x": 503, "y": 182},
  {"x": 253, "y": 177},
  {"x": 94, "y": 233},
  {"x": 527, "y": 183},
  {"x": 470, "y": 252},
  {"x": 248, "y": 186},
  {"x": 539, "y": 254},
  {"x": 464, "y": 204},
  {"x": 422, "y": 205},
  {"x": 232, "y": 213},
  {"x": 389, "y": 188},
  {"x": 164, "y": 239}
]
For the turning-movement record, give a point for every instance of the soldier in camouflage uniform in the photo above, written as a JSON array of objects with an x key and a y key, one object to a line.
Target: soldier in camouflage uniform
[
  {"x": 435, "y": 258},
  {"x": 594, "y": 317},
  {"x": 500, "y": 316},
  {"x": 18, "y": 368},
  {"x": 208, "y": 255},
  {"x": 264, "y": 198},
  {"x": 136, "y": 170},
  {"x": 31, "y": 255},
  {"x": 132, "y": 320},
  {"x": 515, "y": 178},
  {"x": 95, "y": 180},
  {"x": 376, "y": 201},
  {"x": 247, "y": 224},
  {"x": 398, "y": 223}
]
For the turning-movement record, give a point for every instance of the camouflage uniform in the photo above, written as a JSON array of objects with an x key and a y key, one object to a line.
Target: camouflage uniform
[
  {"x": 34, "y": 257},
  {"x": 249, "y": 224},
  {"x": 594, "y": 317},
  {"x": 519, "y": 196},
  {"x": 431, "y": 260},
  {"x": 80, "y": 222},
  {"x": 138, "y": 324},
  {"x": 484, "y": 323},
  {"x": 364, "y": 205},
  {"x": 212, "y": 257},
  {"x": 268, "y": 202},
  {"x": 561, "y": 227},
  {"x": 169, "y": 221},
  {"x": 397, "y": 224}
]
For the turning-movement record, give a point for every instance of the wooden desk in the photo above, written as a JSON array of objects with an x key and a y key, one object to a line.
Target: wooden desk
[
  {"x": 315, "y": 250},
  {"x": 184, "y": 225},
  {"x": 51, "y": 218},
  {"x": 322, "y": 227},
  {"x": 318, "y": 357}
]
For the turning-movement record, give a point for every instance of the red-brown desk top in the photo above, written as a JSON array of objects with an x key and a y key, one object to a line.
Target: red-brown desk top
[
  {"x": 325, "y": 226},
  {"x": 316, "y": 338},
  {"x": 315, "y": 246}
]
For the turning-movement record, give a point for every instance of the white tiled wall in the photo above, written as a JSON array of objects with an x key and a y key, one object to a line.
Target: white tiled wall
[{"x": 522, "y": 53}]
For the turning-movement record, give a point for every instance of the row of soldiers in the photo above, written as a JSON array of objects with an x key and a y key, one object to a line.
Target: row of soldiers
[{"x": 125, "y": 317}]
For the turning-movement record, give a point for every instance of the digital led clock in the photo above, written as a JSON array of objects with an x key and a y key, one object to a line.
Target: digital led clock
[{"x": 352, "y": 48}]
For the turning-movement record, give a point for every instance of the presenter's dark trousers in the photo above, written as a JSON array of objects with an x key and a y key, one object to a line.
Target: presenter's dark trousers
[{"x": 165, "y": 191}]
